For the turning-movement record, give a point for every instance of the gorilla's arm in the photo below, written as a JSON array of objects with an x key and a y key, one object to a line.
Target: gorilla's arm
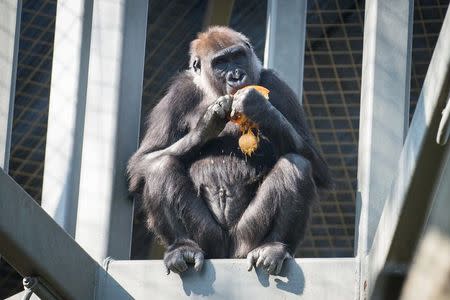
[
  {"x": 282, "y": 121},
  {"x": 208, "y": 127},
  {"x": 171, "y": 130}
]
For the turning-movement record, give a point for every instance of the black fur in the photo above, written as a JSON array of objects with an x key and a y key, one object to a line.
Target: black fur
[{"x": 200, "y": 192}]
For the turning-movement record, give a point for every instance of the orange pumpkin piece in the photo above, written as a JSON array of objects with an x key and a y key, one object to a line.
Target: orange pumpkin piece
[
  {"x": 248, "y": 142},
  {"x": 262, "y": 90},
  {"x": 240, "y": 119}
]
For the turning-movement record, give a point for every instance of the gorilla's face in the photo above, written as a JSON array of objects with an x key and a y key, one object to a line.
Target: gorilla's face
[{"x": 229, "y": 69}]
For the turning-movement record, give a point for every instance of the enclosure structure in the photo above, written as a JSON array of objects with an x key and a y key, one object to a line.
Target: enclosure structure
[{"x": 399, "y": 169}]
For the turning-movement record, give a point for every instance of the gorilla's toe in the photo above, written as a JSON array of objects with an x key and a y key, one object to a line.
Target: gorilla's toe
[
  {"x": 269, "y": 256},
  {"x": 178, "y": 258}
]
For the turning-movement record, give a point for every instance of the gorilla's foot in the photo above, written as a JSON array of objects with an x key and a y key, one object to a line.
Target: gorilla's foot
[
  {"x": 269, "y": 256},
  {"x": 180, "y": 254}
]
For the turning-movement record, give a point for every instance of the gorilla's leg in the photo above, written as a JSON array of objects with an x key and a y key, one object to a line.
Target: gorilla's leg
[
  {"x": 275, "y": 220},
  {"x": 178, "y": 215}
]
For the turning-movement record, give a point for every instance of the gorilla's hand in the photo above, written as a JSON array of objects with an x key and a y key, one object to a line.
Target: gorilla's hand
[
  {"x": 180, "y": 254},
  {"x": 215, "y": 117},
  {"x": 250, "y": 103},
  {"x": 269, "y": 256}
]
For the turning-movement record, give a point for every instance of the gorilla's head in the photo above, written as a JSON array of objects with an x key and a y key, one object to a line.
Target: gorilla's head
[{"x": 223, "y": 61}]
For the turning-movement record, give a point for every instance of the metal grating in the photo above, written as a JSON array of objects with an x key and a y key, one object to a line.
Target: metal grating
[
  {"x": 331, "y": 95},
  {"x": 32, "y": 91},
  {"x": 333, "y": 57},
  {"x": 428, "y": 17},
  {"x": 30, "y": 110}
]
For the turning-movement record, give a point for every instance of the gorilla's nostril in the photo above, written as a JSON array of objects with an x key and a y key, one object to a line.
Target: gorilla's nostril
[
  {"x": 236, "y": 76},
  {"x": 231, "y": 77}
]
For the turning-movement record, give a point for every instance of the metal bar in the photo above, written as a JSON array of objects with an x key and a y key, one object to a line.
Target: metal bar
[
  {"x": 218, "y": 12},
  {"x": 384, "y": 113},
  {"x": 114, "y": 93},
  {"x": 35, "y": 285},
  {"x": 285, "y": 41},
  {"x": 431, "y": 264},
  {"x": 332, "y": 279},
  {"x": 407, "y": 205},
  {"x": 21, "y": 295},
  {"x": 35, "y": 245},
  {"x": 66, "y": 111},
  {"x": 10, "y": 14}
]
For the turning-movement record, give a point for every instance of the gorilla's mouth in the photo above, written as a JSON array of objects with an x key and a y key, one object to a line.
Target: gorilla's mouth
[{"x": 231, "y": 90}]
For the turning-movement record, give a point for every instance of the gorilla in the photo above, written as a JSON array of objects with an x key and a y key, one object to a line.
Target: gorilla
[{"x": 202, "y": 197}]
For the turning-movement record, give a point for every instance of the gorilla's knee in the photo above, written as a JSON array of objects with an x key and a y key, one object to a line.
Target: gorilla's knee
[
  {"x": 163, "y": 165},
  {"x": 295, "y": 164}
]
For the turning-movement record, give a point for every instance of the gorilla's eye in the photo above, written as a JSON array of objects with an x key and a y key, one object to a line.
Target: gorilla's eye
[
  {"x": 248, "y": 45},
  {"x": 196, "y": 65}
]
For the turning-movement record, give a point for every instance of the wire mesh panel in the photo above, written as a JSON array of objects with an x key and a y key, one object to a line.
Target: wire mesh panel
[
  {"x": 331, "y": 99},
  {"x": 428, "y": 17},
  {"x": 30, "y": 110},
  {"x": 32, "y": 93}
]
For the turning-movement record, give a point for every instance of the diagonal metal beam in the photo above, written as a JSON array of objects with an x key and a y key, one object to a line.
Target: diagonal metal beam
[
  {"x": 431, "y": 264},
  {"x": 407, "y": 205},
  {"x": 35, "y": 245}
]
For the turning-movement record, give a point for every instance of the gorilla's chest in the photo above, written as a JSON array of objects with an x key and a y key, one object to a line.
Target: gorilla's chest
[{"x": 226, "y": 179}]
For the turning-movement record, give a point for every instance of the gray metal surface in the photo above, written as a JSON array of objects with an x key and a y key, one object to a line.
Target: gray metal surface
[
  {"x": 10, "y": 11},
  {"x": 384, "y": 112},
  {"x": 324, "y": 279},
  {"x": 431, "y": 264},
  {"x": 66, "y": 111},
  {"x": 285, "y": 41},
  {"x": 417, "y": 173},
  {"x": 113, "y": 101},
  {"x": 19, "y": 296},
  {"x": 35, "y": 245}
]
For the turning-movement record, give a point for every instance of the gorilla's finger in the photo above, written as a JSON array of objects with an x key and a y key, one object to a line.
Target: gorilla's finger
[
  {"x": 167, "y": 269},
  {"x": 232, "y": 113},
  {"x": 199, "y": 259},
  {"x": 228, "y": 100},
  {"x": 272, "y": 267},
  {"x": 267, "y": 262},
  {"x": 279, "y": 266},
  {"x": 219, "y": 110},
  {"x": 180, "y": 265},
  {"x": 172, "y": 268},
  {"x": 260, "y": 261},
  {"x": 189, "y": 256},
  {"x": 251, "y": 259}
]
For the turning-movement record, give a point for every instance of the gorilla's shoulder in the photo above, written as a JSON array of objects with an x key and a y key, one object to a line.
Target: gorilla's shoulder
[
  {"x": 282, "y": 95},
  {"x": 183, "y": 83},
  {"x": 182, "y": 92},
  {"x": 269, "y": 76},
  {"x": 271, "y": 80}
]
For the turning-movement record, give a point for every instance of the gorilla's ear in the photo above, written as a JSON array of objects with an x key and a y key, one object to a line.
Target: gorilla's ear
[{"x": 196, "y": 65}]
